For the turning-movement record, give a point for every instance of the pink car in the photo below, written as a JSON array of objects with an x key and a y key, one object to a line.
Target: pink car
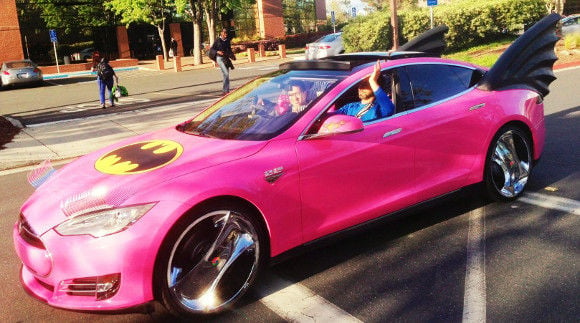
[{"x": 189, "y": 215}]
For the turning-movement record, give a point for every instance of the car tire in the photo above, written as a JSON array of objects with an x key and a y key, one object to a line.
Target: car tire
[
  {"x": 508, "y": 164},
  {"x": 209, "y": 260}
]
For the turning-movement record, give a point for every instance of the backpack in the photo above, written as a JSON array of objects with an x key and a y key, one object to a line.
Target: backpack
[{"x": 105, "y": 71}]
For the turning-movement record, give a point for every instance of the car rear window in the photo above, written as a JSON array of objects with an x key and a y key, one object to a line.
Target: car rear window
[
  {"x": 19, "y": 64},
  {"x": 328, "y": 38}
]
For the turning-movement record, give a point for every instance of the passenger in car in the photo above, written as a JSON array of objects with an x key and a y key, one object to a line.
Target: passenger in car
[
  {"x": 298, "y": 94},
  {"x": 374, "y": 102}
]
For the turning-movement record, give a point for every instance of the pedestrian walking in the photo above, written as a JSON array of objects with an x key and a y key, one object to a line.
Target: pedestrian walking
[
  {"x": 105, "y": 75},
  {"x": 221, "y": 52},
  {"x": 173, "y": 48}
]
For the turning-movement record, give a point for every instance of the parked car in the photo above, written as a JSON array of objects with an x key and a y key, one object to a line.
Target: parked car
[
  {"x": 23, "y": 72},
  {"x": 189, "y": 215},
  {"x": 329, "y": 45},
  {"x": 86, "y": 53},
  {"x": 571, "y": 25}
]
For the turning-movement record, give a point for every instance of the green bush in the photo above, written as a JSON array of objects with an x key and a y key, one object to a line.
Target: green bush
[
  {"x": 572, "y": 41},
  {"x": 469, "y": 23}
]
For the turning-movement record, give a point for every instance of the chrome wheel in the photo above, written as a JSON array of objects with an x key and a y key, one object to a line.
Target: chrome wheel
[
  {"x": 509, "y": 164},
  {"x": 213, "y": 262}
]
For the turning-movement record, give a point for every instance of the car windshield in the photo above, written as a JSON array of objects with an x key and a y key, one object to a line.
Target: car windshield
[
  {"x": 19, "y": 64},
  {"x": 261, "y": 109},
  {"x": 328, "y": 38}
]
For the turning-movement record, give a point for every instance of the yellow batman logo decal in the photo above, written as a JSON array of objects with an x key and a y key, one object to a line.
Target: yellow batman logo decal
[{"x": 139, "y": 157}]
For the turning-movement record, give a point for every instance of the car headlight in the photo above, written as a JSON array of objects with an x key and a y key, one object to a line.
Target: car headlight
[{"x": 104, "y": 222}]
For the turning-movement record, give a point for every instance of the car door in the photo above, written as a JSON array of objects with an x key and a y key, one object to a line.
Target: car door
[
  {"x": 347, "y": 179},
  {"x": 453, "y": 122}
]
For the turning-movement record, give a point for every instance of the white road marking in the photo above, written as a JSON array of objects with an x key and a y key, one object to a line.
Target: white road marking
[
  {"x": 296, "y": 303},
  {"x": 551, "y": 202},
  {"x": 474, "y": 298}
]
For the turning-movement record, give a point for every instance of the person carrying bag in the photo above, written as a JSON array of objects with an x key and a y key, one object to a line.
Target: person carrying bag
[{"x": 106, "y": 77}]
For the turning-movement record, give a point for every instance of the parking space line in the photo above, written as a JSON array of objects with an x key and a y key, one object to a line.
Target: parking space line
[
  {"x": 296, "y": 303},
  {"x": 551, "y": 202},
  {"x": 474, "y": 298}
]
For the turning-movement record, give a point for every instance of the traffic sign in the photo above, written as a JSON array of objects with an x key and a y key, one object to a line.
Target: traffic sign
[
  {"x": 431, "y": 2},
  {"x": 353, "y": 12},
  {"x": 53, "y": 37},
  {"x": 332, "y": 19}
]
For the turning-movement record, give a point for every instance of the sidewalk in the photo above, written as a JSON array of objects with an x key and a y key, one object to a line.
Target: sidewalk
[{"x": 187, "y": 64}]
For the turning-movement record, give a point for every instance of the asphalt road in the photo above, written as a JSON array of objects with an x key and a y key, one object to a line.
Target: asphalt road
[{"x": 461, "y": 258}]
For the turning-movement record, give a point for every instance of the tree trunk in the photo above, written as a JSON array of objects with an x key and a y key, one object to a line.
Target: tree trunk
[
  {"x": 161, "y": 31},
  {"x": 394, "y": 24},
  {"x": 197, "y": 47}
]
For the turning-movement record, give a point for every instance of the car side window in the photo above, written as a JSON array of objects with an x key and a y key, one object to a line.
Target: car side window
[{"x": 423, "y": 84}]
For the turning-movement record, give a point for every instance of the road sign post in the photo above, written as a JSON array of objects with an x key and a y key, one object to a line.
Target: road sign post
[
  {"x": 353, "y": 12},
  {"x": 431, "y": 4},
  {"x": 54, "y": 40},
  {"x": 333, "y": 20}
]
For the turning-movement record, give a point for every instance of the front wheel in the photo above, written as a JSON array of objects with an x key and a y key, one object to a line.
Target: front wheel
[
  {"x": 212, "y": 262},
  {"x": 508, "y": 164}
]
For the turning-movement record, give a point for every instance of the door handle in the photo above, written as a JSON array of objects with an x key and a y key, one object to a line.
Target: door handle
[
  {"x": 392, "y": 132},
  {"x": 477, "y": 106}
]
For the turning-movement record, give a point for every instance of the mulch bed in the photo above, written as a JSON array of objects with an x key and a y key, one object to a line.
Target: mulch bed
[{"x": 7, "y": 132}]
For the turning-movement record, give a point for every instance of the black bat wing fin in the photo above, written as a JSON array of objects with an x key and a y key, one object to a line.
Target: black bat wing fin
[
  {"x": 528, "y": 62},
  {"x": 432, "y": 42}
]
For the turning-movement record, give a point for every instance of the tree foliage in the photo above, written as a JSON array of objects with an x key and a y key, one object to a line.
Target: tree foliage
[
  {"x": 70, "y": 14},
  {"x": 469, "y": 23},
  {"x": 153, "y": 12}
]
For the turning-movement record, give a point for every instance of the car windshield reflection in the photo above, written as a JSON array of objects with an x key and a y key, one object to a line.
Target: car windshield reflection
[{"x": 264, "y": 107}]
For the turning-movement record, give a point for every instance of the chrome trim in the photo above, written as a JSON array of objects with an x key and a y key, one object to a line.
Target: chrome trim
[
  {"x": 392, "y": 132},
  {"x": 477, "y": 106},
  {"x": 273, "y": 174}
]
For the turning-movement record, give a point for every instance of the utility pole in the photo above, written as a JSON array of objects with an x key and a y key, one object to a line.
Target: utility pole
[{"x": 394, "y": 24}]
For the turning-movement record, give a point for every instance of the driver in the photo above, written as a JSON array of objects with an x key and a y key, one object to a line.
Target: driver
[
  {"x": 374, "y": 102},
  {"x": 297, "y": 95}
]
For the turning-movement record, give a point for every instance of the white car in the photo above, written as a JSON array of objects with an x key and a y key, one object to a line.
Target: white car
[
  {"x": 571, "y": 25},
  {"x": 329, "y": 45}
]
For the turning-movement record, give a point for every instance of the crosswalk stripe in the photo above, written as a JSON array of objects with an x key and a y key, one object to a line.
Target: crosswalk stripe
[
  {"x": 551, "y": 202},
  {"x": 296, "y": 303}
]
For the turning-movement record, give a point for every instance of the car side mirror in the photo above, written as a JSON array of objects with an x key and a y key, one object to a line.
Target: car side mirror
[{"x": 339, "y": 123}]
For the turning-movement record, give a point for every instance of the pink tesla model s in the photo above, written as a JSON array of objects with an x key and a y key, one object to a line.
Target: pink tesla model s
[{"x": 189, "y": 215}]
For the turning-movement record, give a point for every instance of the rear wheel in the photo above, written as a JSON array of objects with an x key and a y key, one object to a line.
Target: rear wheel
[
  {"x": 212, "y": 262},
  {"x": 509, "y": 164}
]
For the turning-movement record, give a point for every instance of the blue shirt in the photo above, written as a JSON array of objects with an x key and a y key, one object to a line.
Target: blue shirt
[{"x": 381, "y": 107}]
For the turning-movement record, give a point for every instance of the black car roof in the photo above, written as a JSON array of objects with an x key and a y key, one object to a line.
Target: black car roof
[
  {"x": 347, "y": 62},
  {"x": 429, "y": 44}
]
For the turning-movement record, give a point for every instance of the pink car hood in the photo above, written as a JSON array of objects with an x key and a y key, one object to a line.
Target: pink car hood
[{"x": 110, "y": 176}]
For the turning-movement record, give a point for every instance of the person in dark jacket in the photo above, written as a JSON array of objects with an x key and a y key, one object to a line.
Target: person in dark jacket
[
  {"x": 224, "y": 54},
  {"x": 105, "y": 75}
]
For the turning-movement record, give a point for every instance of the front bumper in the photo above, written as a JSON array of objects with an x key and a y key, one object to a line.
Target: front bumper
[{"x": 119, "y": 266}]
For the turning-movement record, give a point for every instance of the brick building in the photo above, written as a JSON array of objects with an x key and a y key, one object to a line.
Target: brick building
[
  {"x": 10, "y": 40},
  {"x": 265, "y": 19}
]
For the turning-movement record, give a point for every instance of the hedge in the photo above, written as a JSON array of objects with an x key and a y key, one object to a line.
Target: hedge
[{"x": 469, "y": 23}]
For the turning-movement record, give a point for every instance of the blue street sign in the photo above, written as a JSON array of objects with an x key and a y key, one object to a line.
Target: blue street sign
[
  {"x": 52, "y": 34},
  {"x": 431, "y": 2},
  {"x": 353, "y": 12},
  {"x": 332, "y": 17}
]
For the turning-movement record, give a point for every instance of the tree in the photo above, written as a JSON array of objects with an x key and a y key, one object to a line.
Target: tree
[
  {"x": 556, "y": 6},
  {"x": 72, "y": 13},
  {"x": 194, "y": 9},
  {"x": 152, "y": 12}
]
